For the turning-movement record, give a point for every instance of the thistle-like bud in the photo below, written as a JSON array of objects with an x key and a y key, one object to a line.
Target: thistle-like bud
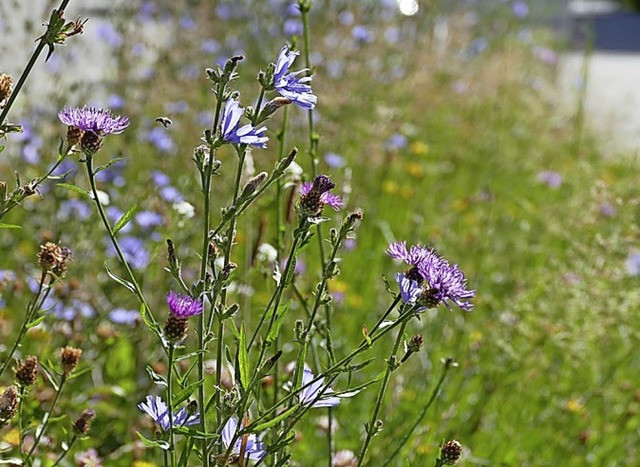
[
  {"x": 27, "y": 371},
  {"x": 414, "y": 344},
  {"x": 273, "y": 105},
  {"x": 90, "y": 143},
  {"x": 6, "y": 83},
  {"x": 8, "y": 403},
  {"x": 69, "y": 359},
  {"x": 74, "y": 136},
  {"x": 176, "y": 328},
  {"x": 450, "y": 452},
  {"x": 53, "y": 258},
  {"x": 286, "y": 162},
  {"x": 82, "y": 424},
  {"x": 202, "y": 154},
  {"x": 253, "y": 184}
]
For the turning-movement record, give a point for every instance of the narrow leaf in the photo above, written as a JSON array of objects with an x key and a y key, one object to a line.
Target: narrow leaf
[
  {"x": 155, "y": 377},
  {"x": 126, "y": 217},
  {"x": 9, "y": 226},
  {"x": 77, "y": 189},
  {"x": 36, "y": 321},
  {"x": 275, "y": 329},
  {"x": 102, "y": 167},
  {"x": 164, "y": 445},
  {"x": 185, "y": 393},
  {"x": 121, "y": 281},
  {"x": 243, "y": 359},
  {"x": 276, "y": 420}
]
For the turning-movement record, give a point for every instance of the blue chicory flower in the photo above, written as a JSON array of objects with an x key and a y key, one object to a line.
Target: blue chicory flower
[
  {"x": 232, "y": 132},
  {"x": 254, "y": 449},
  {"x": 288, "y": 85},
  {"x": 155, "y": 407},
  {"x": 316, "y": 395}
]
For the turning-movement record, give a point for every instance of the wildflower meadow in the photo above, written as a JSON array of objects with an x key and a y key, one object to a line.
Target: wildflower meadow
[{"x": 307, "y": 233}]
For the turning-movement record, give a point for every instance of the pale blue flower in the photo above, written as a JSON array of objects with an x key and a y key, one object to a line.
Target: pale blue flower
[
  {"x": 232, "y": 132},
  {"x": 297, "y": 90}
]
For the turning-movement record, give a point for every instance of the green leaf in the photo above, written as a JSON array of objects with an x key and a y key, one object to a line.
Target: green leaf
[
  {"x": 275, "y": 329},
  {"x": 121, "y": 281},
  {"x": 243, "y": 359},
  {"x": 1, "y": 149},
  {"x": 9, "y": 226},
  {"x": 50, "y": 376},
  {"x": 60, "y": 148},
  {"x": 276, "y": 420},
  {"x": 36, "y": 321},
  {"x": 77, "y": 189},
  {"x": 102, "y": 167},
  {"x": 155, "y": 377},
  {"x": 164, "y": 445},
  {"x": 185, "y": 393},
  {"x": 126, "y": 217},
  {"x": 189, "y": 355}
]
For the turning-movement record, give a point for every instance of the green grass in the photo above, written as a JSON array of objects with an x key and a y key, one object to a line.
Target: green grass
[{"x": 547, "y": 364}]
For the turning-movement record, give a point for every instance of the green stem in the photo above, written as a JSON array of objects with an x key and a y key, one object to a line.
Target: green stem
[
  {"x": 31, "y": 311},
  {"x": 45, "y": 419},
  {"x": 32, "y": 61},
  {"x": 410, "y": 431},
  {"x": 137, "y": 290},
  {"x": 391, "y": 366},
  {"x": 172, "y": 441},
  {"x": 64, "y": 452}
]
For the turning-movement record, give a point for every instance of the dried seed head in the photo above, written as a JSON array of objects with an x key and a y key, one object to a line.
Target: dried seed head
[
  {"x": 82, "y": 424},
  {"x": 54, "y": 258},
  {"x": 69, "y": 358},
  {"x": 27, "y": 371},
  {"x": 176, "y": 328},
  {"x": 90, "y": 143},
  {"x": 8, "y": 403},
  {"x": 6, "y": 83},
  {"x": 415, "y": 343},
  {"x": 74, "y": 136},
  {"x": 450, "y": 452}
]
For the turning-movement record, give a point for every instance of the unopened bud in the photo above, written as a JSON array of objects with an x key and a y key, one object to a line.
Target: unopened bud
[
  {"x": 69, "y": 359},
  {"x": 286, "y": 162},
  {"x": 82, "y": 424},
  {"x": 450, "y": 452},
  {"x": 8, "y": 403},
  {"x": 253, "y": 184},
  {"x": 27, "y": 371},
  {"x": 6, "y": 83},
  {"x": 273, "y": 105}
]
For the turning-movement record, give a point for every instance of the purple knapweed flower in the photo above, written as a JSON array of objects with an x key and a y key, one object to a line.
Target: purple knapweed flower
[
  {"x": 232, "y": 132},
  {"x": 550, "y": 178},
  {"x": 183, "y": 306},
  {"x": 93, "y": 119},
  {"x": 431, "y": 280},
  {"x": 253, "y": 448},
  {"x": 316, "y": 395},
  {"x": 313, "y": 196},
  {"x": 155, "y": 407},
  {"x": 289, "y": 85}
]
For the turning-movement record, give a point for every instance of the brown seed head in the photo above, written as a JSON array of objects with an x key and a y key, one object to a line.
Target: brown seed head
[
  {"x": 6, "y": 83},
  {"x": 90, "y": 143},
  {"x": 27, "y": 371},
  {"x": 82, "y": 424},
  {"x": 74, "y": 136},
  {"x": 69, "y": 358},
  {"x": 450, "y": 452},
  {"x": 8, "y": 403}
]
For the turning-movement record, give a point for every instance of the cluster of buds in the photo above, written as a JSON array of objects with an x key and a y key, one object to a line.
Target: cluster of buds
[
  {"x": 6, "y": 83},
  {"x": 450, "y": 452},
  {"x": 27, "y": 371},
  {"x": 69, "y": 359},
  {"x": 54, "y": 258}
]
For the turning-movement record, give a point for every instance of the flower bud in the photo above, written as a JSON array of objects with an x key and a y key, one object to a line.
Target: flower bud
[
  {"x": 8, "y": 403},
  {"x": 82, "y": 424},
  {"x": 450, "y": 452},
  {"x": 27, "y": 371},
  {"x": 69, "y": 358},
  {"x": 6, "y": 83}
]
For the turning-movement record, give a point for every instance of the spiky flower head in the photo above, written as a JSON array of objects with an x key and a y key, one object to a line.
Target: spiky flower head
[
  {"x": 54, "y": 258},
  {"x": 289, "y": 85},
  {"x": 430, "y": 280},
  {"x": 27, "y": 371},
  {"x": 69, "y": 359},
  {"x": 156, "y": 408},
  {"x": 183, "y": 306},
  {"x": 314, "y": 196},
  {"x": 94, "y": 123},
  {"x": 8, "y": 403},
  {"x": 232, "y": 132},
  {"x": 82, "y": 424},
  {"x": 450, "y": 452}
]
